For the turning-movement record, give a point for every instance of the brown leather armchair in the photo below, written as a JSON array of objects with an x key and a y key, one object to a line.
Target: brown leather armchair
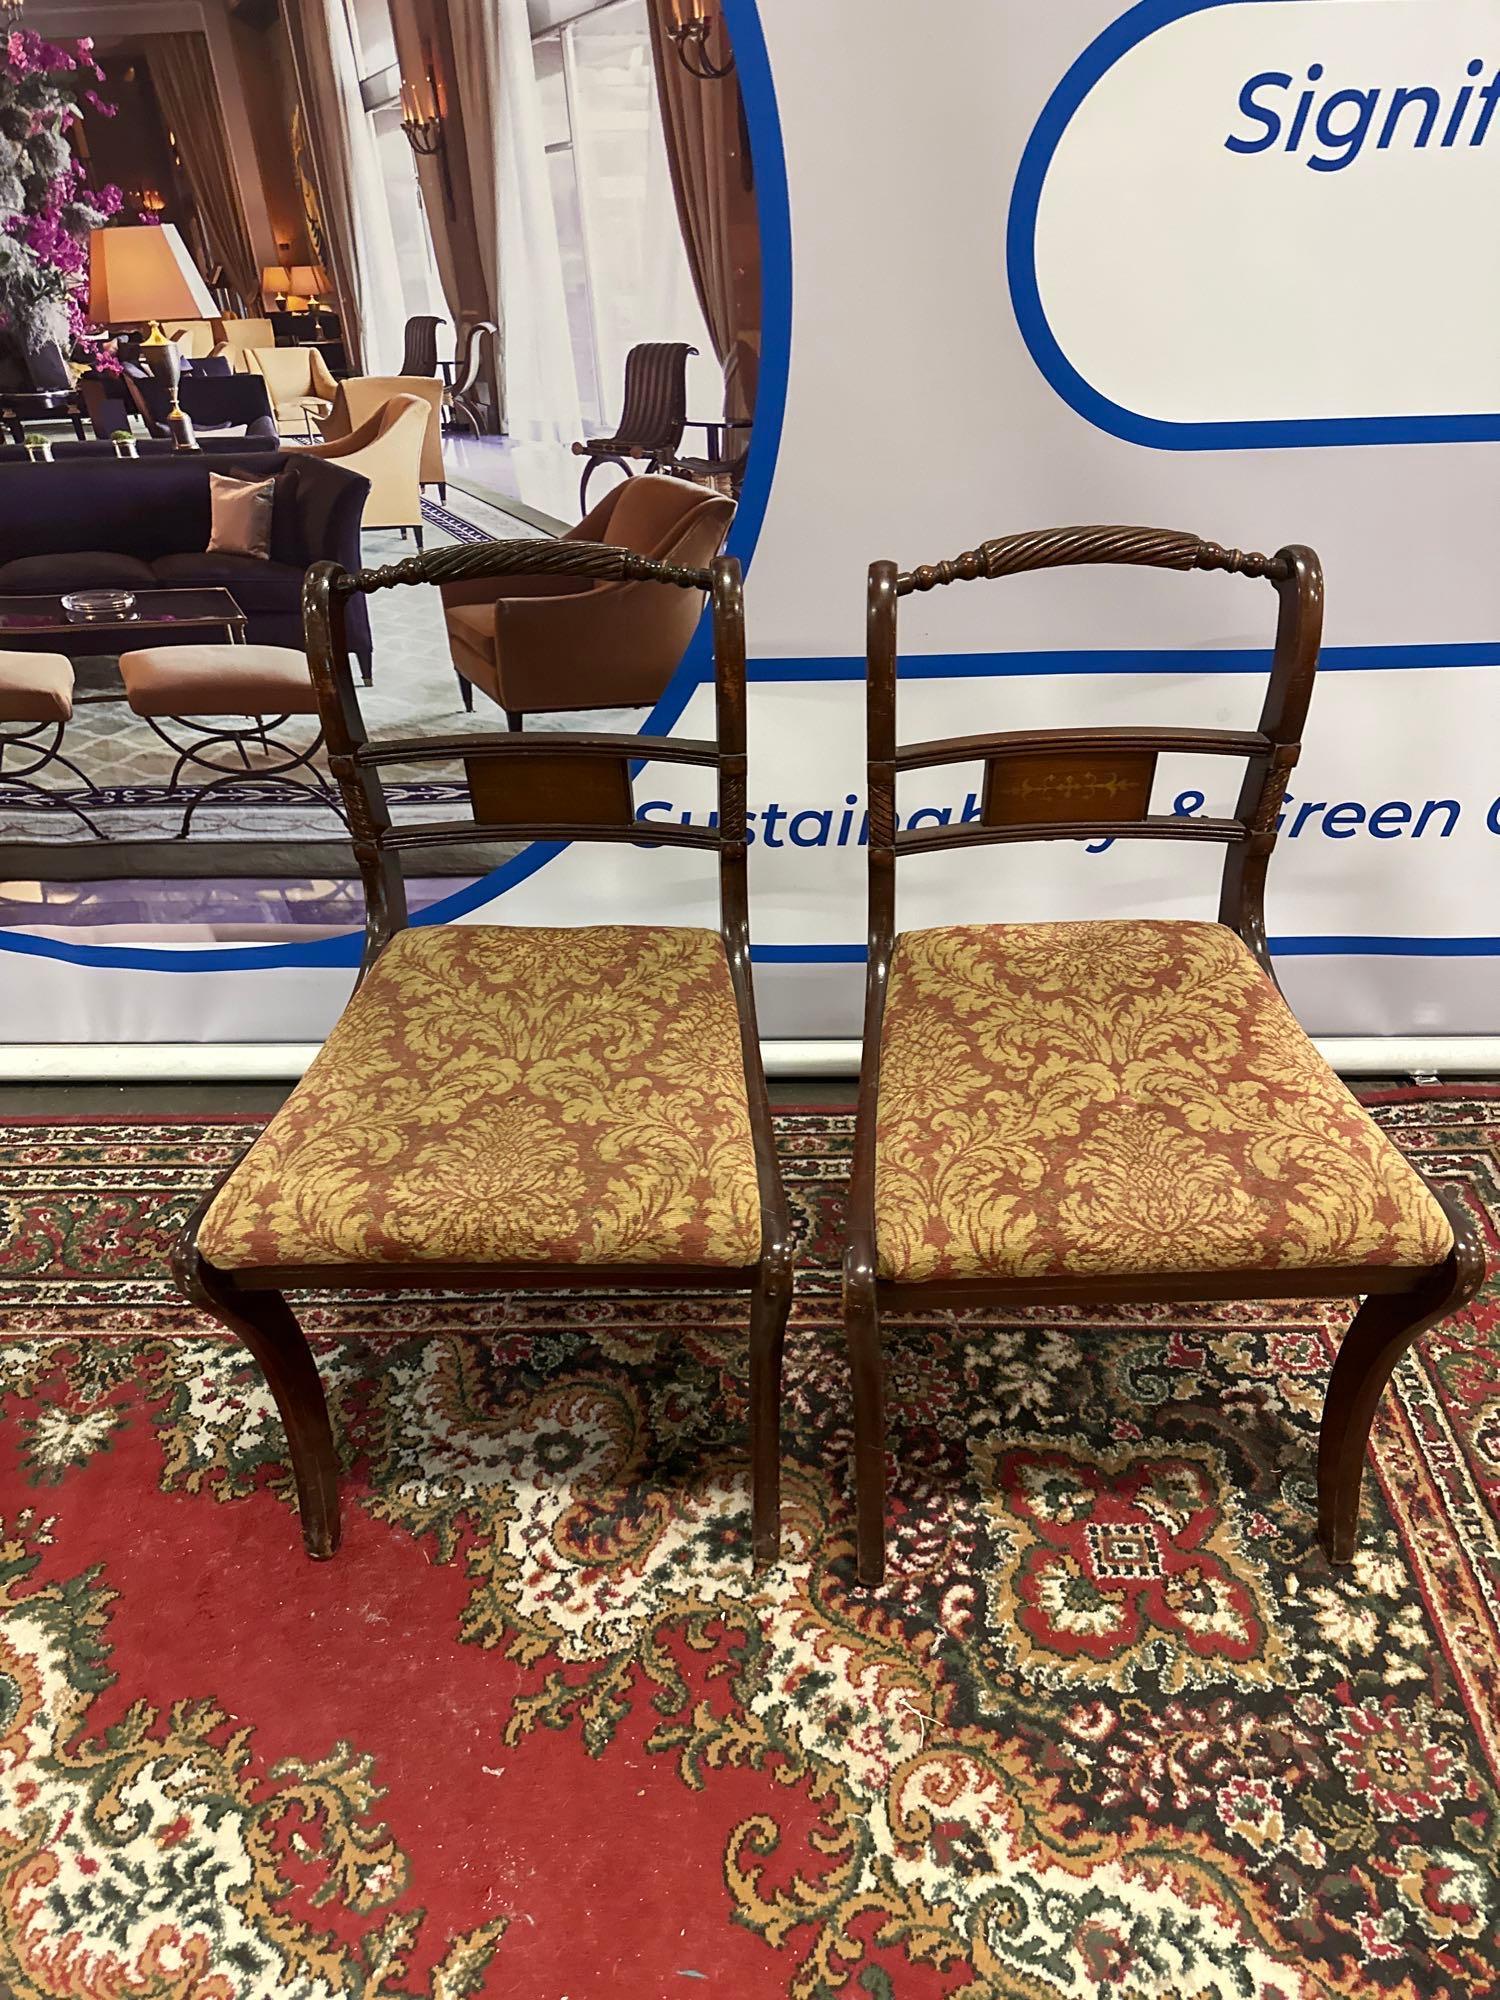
[{"x": 543, "y": 643}]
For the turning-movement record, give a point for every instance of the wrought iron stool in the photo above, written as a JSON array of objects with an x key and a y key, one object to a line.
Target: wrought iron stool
[
  {"x": 224, "y": 701},
  {"x": 36, "y": 706}
]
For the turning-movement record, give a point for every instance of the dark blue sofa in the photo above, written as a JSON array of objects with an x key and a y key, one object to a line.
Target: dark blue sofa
[{"x": 144, "y": 524}]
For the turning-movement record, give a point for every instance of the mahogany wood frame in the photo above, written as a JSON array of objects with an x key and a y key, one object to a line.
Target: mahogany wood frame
[
  {"x": 1399, "y": 1304},
  {"x": 251, "y": 1301}
]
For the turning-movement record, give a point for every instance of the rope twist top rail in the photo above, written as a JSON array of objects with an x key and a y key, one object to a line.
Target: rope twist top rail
[
  {"x": 527, "y": 558},
  {"x": 1056, "y": 548}
]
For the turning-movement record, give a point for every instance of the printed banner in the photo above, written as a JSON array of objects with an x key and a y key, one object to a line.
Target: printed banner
[{"x": 1219, "y": 265}]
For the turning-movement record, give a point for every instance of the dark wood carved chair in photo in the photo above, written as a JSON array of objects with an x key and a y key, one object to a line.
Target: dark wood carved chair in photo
[
  {"x": 461, "y": 399},
  {"x": 501, "y": 1108},
  {"x": 1124, "y": 1111},
  {"x": 653, "y": 419},
  {"x": 419, "y": 354}
]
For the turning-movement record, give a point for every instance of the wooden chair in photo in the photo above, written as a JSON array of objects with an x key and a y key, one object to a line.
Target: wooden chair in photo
[
  {"x": 419, "y": 355},
  {"x": 502, "y": 1108},
  {"x": 653, "y": 418},
  {"x": 1118, "y": 1112}
]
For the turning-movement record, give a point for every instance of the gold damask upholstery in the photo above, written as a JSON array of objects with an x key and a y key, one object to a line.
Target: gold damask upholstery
[
  {"x": 498, "y": 1095},
  {"x": 1117, "y": 1099}
]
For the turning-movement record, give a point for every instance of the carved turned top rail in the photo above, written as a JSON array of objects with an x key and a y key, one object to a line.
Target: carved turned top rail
[
  {"x": 1057, "y": 548},
  {"x": 522, "y": 558}
]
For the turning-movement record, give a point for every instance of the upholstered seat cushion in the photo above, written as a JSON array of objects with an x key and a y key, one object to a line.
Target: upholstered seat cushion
[
  {"x": 496, "y": 1095},
  {"x": 75, "y": 569},
  {"x": 1119, "y": 1099},
  {"x": 218, "y": 680},
  {"x": 35, "y": 687},
  {"x": 256, "y": 583}
]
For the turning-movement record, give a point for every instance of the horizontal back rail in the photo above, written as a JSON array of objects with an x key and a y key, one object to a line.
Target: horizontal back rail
[
  {"x": 1159, "y": 826},
  {"x": 1058, "y": 548},
  {"x": 544, "y": 744},
  {"x": 638, "y": 833},
  {"x": 474, "y": 560},
  {"x": 1050, "y": 742}
]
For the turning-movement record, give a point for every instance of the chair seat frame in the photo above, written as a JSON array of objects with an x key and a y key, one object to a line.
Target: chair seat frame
[
  {"x": 1399, "y": 1303},
  {"x": 250, "y": 1301}
]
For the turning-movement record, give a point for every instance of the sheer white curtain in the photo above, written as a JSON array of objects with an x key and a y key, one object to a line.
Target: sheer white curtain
[
  {"x": 640, "y": 282},
  {"x": 508, "y": 164},
  {"x": 378, "y": 266},
  {"x": 361, "y": 241}
]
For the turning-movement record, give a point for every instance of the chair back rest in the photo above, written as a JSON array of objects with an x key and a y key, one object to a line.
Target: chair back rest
[
  {"x": 549, "y": 786},
  {"x": 238, "y": 336},
  {"x": 655, "y": 411},
  {"x": 288, "y": 370},
  {"x": 362, "y": 396},
  {"x": 657, "y": 516},
  {"x": 194, "y": 337},
  {"x": 471, "y": 338},
  {"x": 48, "y": 369},
  {"x": 419, "y": 355},
  {"x": 1095, "y": 784}
]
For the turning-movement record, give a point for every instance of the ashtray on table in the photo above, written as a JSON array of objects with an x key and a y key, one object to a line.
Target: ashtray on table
[{"x": 83, "y": 605}]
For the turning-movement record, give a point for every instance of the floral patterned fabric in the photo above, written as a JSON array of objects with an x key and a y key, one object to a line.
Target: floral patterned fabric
[
  {"x": 501, "y": 1095},
  {"x": 1120, "y": 1098}
]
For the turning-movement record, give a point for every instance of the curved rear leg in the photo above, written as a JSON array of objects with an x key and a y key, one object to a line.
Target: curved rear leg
[
  {"x": 867, "y": 1368},
  {"x": 1379, "y": 1334},
  {"x": 770, "y": 1303},
  {"x": 266, "y": 1324}
]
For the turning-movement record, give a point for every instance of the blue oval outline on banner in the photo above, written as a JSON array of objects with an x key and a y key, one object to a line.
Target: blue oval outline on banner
[
  {"x": 773, "y": 215},
  {"x": 1162, "y": 433}
]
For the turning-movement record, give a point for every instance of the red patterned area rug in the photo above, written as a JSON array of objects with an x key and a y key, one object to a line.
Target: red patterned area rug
[{"x": 1115, "y": 1727}]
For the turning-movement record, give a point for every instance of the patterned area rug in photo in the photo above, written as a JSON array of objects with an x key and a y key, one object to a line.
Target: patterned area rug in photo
[{"x": 1115, "y": 1726}]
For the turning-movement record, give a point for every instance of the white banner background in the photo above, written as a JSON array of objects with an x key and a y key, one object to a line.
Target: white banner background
[{"x": 918, "y": 421}]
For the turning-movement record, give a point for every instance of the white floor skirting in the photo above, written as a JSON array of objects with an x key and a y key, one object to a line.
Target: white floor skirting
[{"x": 275, "y": 1062}]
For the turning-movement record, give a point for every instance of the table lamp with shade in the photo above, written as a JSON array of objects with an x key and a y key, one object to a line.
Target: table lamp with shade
[
  {"x": 308, "y": 282},
  {"x": 143, "y": 272}
]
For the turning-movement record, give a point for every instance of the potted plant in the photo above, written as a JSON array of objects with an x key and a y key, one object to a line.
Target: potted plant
[
  {"x": 38, "y": 448},
  {"x": 124, "y": 444}
]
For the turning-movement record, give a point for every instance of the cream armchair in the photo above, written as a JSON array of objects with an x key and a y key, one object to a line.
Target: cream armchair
[
  {"x": 387, "y": 450},
  {"x": 195, "y": 338},
  {"x": 298, "y": 383},
  {"x": 361, "y": 396},
  {"x": 236, "y": 337}
]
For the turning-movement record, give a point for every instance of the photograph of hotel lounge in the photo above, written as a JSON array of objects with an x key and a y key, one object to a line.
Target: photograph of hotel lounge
[{"x": 152, "y": 779}]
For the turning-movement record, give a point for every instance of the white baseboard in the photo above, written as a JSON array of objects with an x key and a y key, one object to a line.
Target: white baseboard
[{"x": 280, "y": 1062}]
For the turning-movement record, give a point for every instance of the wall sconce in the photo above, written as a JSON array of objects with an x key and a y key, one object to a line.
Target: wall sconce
[
  {"x": 689, "y": 36},
  {"x": 423, "y": 128}
]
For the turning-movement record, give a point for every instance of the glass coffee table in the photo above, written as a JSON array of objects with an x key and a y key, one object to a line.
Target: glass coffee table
[{"x": 157, "y": 618}]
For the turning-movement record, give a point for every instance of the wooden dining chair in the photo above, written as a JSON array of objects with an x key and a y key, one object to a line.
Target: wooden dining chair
[
  {"x": 1107, "y": 1113},
  {"x": 502, "y": 1108}
]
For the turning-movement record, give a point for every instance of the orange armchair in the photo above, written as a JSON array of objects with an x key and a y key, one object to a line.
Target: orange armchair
[{"x": 546, "y": 643}]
